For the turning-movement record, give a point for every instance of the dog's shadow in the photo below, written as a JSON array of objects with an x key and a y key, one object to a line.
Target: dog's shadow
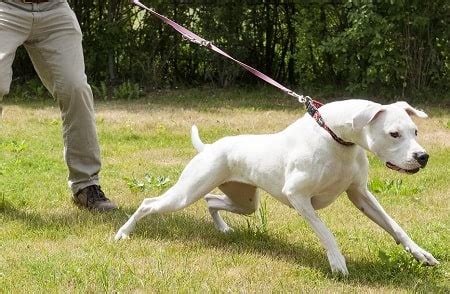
[{"x": 182, "y": 226}]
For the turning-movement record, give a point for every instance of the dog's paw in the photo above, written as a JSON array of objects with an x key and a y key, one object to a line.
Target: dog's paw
[
  {"x": 337, "y": 263},
  {"x": 226, "y": 230},
  {"x": 121, "y": 236},
  {"x": 422, "y": 255},
  {"x": 223, "y": 227}
]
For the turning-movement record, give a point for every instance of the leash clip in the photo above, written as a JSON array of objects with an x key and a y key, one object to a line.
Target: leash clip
[
  {"x": 187, "y": 38},
  {"x": 302, "y": 99},
  {"x": 205, "y": 43},
  {"x": 202, "y": 43}
]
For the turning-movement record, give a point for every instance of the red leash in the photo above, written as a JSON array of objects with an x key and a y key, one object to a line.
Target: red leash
[{"x": 311, "y": 105}]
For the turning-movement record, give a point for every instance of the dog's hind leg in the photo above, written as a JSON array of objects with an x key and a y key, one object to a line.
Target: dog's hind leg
[
  {"x": 216, "y": 203},
  {"x": 194, "y": 183},
  {"x": 239, "y": 198}
]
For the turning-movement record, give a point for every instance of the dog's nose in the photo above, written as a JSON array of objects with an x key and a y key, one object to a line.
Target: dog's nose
[{"x": 421, "y": 157}]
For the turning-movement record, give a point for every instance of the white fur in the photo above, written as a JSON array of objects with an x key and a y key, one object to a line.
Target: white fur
[{"x": 302, "y": 167}]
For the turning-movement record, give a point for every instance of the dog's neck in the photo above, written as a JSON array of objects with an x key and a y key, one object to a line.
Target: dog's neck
[{"x": 338, "y": 117}]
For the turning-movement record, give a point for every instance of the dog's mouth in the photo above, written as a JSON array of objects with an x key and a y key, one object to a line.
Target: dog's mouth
[{"x": 402, "y": 170}]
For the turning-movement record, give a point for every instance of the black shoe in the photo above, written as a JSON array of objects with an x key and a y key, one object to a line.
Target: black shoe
[{"x": 92, "y": 197}]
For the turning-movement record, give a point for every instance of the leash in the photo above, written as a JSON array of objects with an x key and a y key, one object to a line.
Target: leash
[{"x": 310, "y": 104}]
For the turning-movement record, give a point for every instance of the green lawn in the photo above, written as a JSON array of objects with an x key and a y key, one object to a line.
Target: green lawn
[{"x": 48, "y": 245}]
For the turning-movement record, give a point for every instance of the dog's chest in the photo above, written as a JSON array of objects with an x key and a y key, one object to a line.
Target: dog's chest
[
  {"x": 330, "y": 179},
  {"x": 328, "y": 174}
]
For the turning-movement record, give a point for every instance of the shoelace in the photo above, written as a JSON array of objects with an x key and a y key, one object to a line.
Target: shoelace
[{"x": 96, "y": 194}]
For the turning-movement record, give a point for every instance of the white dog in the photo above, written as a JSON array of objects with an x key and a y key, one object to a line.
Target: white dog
[{"x": 304, "y": 168}]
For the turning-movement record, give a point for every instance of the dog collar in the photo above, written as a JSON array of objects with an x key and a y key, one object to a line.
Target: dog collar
[{"x": 312, "y": 108}]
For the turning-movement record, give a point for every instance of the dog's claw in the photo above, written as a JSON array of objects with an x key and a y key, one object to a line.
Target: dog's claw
[
  {"x": 423, "y": 256},
  {"x": 121, "y": 236},
  {"x": 227, "y": 230}
]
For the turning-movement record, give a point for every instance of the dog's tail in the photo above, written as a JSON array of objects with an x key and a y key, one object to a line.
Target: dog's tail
[{"x": 196, "y": 141}]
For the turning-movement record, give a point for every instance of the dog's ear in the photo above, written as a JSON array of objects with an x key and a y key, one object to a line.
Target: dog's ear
[
  {"x": 365, "y": 116},
  {"x": 410, "y": 110}
]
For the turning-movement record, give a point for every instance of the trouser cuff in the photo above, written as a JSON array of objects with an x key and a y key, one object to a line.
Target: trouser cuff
[{"x": 76, "y": 187}]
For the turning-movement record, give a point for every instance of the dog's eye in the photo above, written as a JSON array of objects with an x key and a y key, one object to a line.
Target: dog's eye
[
  {"x": 416, "y": 133},
  {"x": 394, "y": 134}
]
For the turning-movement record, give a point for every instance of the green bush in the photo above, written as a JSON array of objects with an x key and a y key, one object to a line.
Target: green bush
[{"x": 402, "y": 47}]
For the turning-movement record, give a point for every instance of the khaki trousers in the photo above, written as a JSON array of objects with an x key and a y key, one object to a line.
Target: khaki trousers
[{"x": 52, "y": 37}]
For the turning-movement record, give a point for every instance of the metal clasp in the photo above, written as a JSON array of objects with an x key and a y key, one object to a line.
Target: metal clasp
[
  {"x": 202, "y": 43},
  {"x": 205, "y": 43},
  {"x": 302, "y": 99}
]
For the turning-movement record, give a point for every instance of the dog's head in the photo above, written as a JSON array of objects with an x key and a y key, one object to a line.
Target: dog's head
[{"x": 391, "y": 135}]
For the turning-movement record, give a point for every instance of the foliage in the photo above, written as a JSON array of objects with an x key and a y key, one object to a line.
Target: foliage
[
  {"x": 149, "y": 182},
  {"x": 257, "y": 224},
  {"x": 393, "y": 187},
  {"x": 31, "y": 90},
  {"x": 398, "y": 263},
  {"x": 127, "y": 91},
  {"x": 363, "y": 45}
]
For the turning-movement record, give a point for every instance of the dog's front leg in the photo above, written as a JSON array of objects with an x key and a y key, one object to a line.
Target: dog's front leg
[
  {"x": 368, "y": 204},
  {"x": 302, "y": 203}
]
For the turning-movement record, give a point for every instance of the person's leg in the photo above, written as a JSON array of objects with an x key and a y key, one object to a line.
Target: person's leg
[
  {"x": 15, "y": 26},
  {"x": 56, "y": 51}
]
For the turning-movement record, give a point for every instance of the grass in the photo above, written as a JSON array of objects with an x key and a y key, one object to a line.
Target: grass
[{"x": 48, "y": 245}]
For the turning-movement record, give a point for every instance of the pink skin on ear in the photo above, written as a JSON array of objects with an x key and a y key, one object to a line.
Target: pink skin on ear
[{"x": 411, "y": 110}]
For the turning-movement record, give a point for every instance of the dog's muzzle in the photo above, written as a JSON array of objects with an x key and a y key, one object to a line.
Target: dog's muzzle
[{"x": 420, "y": 157}]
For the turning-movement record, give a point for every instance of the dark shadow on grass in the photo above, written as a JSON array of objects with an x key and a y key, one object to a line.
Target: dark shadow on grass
[
  {"x": 191, "y": 229},
  {"x": 180, "y": 226},
  {"x": 210, "y": 99},
  {"x": 199, "y": 99},
  {"x": 37, "y": 221}
]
